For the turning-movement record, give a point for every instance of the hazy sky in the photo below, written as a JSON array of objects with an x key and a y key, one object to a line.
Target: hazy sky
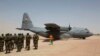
[{"x": 77, "y": 13}]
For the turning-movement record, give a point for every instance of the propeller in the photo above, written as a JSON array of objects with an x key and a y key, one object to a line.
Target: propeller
[{"x": 69, "y": 28}]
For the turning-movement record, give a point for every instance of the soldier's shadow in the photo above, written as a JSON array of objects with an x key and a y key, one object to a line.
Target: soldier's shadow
[{"x": 48, "y": 40}]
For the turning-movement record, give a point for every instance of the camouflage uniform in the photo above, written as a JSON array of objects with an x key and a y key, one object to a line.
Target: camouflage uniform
[
  {"x": 19, "y": 43},
  {"x": 22, "y": 40},
  {"x": 35, "y": 41},
  {"x": 1, "y": 42},
  {"x": 11, "y": 42},
  {"x": 28, "y": 38},
  {"x": 15, "y": 40},
  {"x": 7, "y": 43}
]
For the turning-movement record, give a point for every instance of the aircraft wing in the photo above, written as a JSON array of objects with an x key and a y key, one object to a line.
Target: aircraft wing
[{"x": 50, "y": 26}]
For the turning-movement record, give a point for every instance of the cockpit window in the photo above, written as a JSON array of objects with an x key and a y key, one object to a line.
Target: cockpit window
[{"x": 87, "y": 31}]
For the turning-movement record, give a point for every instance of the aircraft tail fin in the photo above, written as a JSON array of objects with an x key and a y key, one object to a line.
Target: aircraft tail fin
[{"x": 26, "y": 23}]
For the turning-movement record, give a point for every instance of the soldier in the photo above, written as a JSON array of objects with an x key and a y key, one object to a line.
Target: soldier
[
  {"x": 28, "y": 38},
  {"x": 35, "y": 41},
  {"x": 1, "y": 43},
  {"x": 7, "y": 43},
  {"x": 19, "y": 43},
  {"x": 22, "y": 40},
  {"x": 11, "y": 42},
  {"x": 15, "y": 40}
]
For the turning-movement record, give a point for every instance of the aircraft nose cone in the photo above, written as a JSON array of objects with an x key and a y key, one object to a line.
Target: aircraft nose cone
[{"x": 90, "y": 34}]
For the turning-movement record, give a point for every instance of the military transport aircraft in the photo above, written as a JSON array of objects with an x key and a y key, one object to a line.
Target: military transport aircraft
[{"x": 57, "y": 31}]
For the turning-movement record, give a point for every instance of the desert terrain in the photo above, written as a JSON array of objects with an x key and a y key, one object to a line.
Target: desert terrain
[{"x": 70, "y": 47}]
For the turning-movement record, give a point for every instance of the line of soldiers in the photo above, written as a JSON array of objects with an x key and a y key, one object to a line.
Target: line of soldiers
[{"x": 17, "y": 41}]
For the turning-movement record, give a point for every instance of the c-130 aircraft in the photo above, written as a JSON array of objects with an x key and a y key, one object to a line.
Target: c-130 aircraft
[{"x": 57, "y": 31}]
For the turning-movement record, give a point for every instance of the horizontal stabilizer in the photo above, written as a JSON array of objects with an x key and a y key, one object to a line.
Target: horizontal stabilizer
[{"x": 22, "y": 29}]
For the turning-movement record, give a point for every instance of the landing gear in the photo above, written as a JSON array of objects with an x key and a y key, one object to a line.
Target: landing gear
[{"x": 83, "y": 37}]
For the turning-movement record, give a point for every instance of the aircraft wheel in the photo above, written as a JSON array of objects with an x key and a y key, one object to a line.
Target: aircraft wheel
[{"x": 83, "y": 38}]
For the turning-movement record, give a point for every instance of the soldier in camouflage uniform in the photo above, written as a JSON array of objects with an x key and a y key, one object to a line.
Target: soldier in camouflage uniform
[
  {"x": 22, "y": 40},
  {"x": 15, "y": 40},
  {"x": 3, "y": 37},
  {"x": 7, "y": 43},
  {"x": 1, "y": 42},
  {"x": 11, "y": 42},
  {"x": 19, "y": 43},
  {"x": 35, "y": 41},
  {"x": 28, "y": 38}
]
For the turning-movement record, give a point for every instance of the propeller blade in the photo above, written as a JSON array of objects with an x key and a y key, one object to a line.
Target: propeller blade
[{"x": 69, "y": 27}]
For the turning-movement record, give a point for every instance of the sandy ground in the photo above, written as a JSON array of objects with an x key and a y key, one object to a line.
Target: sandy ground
[{"x": 71, "y": 47}]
